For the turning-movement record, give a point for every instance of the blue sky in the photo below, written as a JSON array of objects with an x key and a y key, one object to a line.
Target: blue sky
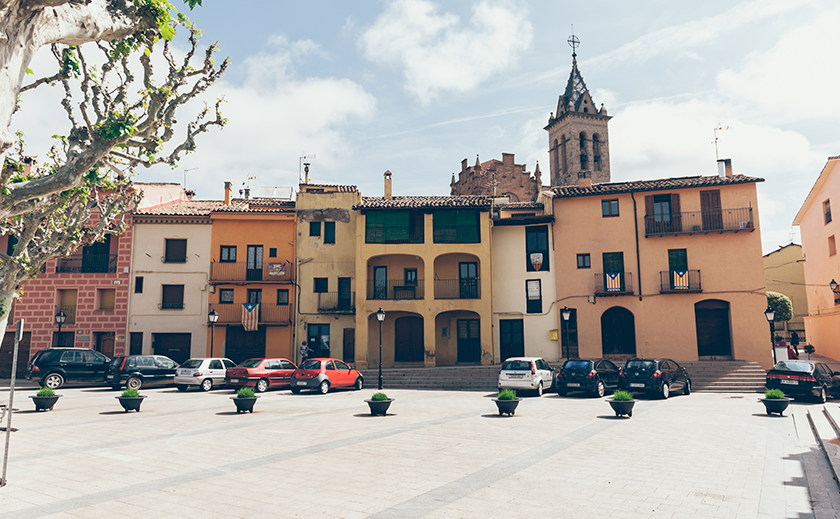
[{"x": 415, "y": 86}]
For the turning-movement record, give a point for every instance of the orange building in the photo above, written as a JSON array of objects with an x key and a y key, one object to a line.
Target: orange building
[
  {"x": 669, "y": 268},
  {"x": 252, "y": 251}
]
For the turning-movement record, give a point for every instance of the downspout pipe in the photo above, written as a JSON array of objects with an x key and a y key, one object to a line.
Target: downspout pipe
[{"x": 638, "y": 260}]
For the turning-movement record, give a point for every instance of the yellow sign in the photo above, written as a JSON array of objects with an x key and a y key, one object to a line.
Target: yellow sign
[{"x": 552, "y": 335}]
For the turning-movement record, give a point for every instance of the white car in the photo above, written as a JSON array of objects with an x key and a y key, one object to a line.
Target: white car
[
  {"x": 529, "y": 373},
  {"x": 204, "y": 373}
]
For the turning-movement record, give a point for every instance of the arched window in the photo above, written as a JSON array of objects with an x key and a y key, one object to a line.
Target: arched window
[
  {"x": 563, "y": 154},
  {"x": 556, "y": 151},
  {"x": 584, "y": 160},
  {"x": 596, "y": 151}
]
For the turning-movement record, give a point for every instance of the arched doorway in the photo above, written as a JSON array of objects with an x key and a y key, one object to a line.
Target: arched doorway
[
  {"x": 408, "y": 339},
  {"x": 618, "y": 332},
  {"x": 714, "y": 337}
]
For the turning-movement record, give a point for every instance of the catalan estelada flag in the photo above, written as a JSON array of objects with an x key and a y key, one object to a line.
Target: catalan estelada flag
[
  {"x": 250, "y": 316},
  {"x": 681, "y": 279},
  {"x": 613, "y": 281}
]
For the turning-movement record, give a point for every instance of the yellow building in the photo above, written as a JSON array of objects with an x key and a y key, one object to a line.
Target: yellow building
[
  {"x": 425, "y": 261},
  {"x": 784, "y": 272},
  {"x": 669, "y": 268},
  {"x": 326, "y": 254},
  {"x": 252, "y": 258},
  {"x": 822, "y": 264}
]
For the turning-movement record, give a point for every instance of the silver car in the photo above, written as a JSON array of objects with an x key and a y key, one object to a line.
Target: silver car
[
  {"x": 204, "y": 373},
  {"x": 528, "y": 373}
]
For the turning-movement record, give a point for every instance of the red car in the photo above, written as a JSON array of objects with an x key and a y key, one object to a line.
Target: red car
[
  {"x": 323, "y": 374},
  {"x": 261, "y": 374}
]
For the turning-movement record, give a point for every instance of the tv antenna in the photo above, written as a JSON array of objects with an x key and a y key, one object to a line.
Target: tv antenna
[
  {"x": 718, "y": 128},
  {"x": 301, "y": 160},
  {"x": 185, "y": 175}
]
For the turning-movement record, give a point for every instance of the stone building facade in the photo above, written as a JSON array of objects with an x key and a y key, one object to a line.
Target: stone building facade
[{"x": 510, "y": 179}]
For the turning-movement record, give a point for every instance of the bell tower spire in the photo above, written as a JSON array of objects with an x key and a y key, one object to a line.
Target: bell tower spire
[{"x": 578, "y": 141}]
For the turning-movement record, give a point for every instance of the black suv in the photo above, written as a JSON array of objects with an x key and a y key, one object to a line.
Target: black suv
[
  {"x": 55, "y": 366},
  {"x": 135, "y": 371}
]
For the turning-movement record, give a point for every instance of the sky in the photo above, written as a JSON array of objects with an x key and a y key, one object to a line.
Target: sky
[{"x": 416, "y": 86}]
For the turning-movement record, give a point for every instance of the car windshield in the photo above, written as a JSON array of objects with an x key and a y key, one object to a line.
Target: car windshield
[
  {"x": 642, "y": 365},
  {"x": 311, "y": 364},
  {"x": 520, "y": 365},
  {"x": 192, "y": 363},
  {"x": 250, "y": 363},
  {"x": 576, "y": 364},
  {"x": 794, "y": 365}
]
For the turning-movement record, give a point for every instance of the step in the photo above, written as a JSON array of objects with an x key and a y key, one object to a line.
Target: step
[{"x": 825, "y": 430}]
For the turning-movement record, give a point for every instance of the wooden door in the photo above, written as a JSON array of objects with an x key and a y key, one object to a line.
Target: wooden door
[
  {"x": 408, "y": 342},
  {"x": 349, "y": 345},
  {"x": 710, "y": 210}
]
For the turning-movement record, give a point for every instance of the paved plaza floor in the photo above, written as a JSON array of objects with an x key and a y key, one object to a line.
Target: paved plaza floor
[{"x": 437, "y": 455}]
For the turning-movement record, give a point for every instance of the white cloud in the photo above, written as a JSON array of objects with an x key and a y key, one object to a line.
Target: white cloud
[{"x": 438, "y": 54}]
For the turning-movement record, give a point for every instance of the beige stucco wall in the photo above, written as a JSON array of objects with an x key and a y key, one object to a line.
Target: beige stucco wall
[
  {"x": 509, "y": 301},
  {"x": 784, "y": 273},
  {"x": 145, "y": 314}
]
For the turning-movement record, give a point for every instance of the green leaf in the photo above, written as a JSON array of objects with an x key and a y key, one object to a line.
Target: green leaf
[{"x": 29, "y": 71}]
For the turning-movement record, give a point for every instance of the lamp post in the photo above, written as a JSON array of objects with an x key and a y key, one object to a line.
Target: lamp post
[
  {"x": 60, "y": 317},
  {"x": 213, "y": 316},
  {"x": 566, "y": 313},
  {"x": 380, "y": 316},
  {"x": 770, "y": 315}
]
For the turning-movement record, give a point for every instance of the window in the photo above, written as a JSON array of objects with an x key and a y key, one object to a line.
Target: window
[
  {"x": 67, "y": 304},
  {"x": 533, "y": 292},
  {"x": 410, "y": 277},
  {"x": 456, "y": 227},
  {"x": 584, "y": 261},
  {"x": 228, "y": 254},
  {"x": 321, "y": 285},
  {"x": 832, "y": 247},
  {"x": 282, "y": 296},
  {"x": 677, "y": 259},
  {"x": 662, "y": 213},
  {"x": 172, "y": 297},
  {"x": 272, "y": 252},
  {"x": 609, "y": 208},
  {"x": 827, "y": 211},
  {"x": 138, "y": 285},
  {"x": 329, "y": 232},
  {"x": 314, "y": 228},
  {"x": 536, "y": 248},
  {"x": 394, "y": 227},
  {"x": 215, "y": 364},
  {"x": 106, "y": 298},
  {"x": 613, "y": 262},
  {"x": 226, "y": 296},
  {"x": 584, "y": 159},
  {"x": 596, "y": 151},
  {"x": 176, "y": 251},
  {"x": 662, "y": 208}
]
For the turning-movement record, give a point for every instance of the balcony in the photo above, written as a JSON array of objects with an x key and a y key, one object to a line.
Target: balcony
[
  {"x": 458, "y": 288},
  {"x": 69, "y": 311},
  {"x": 679, "y": 281},
  {"x": 269, "y": 313},
  {"x": 395, "y": 289},
  {"x": 85, "y": 263},
  {"x": 393, "y": 235},
  {"x": 242, "y": 271},
  {"x": 700, "y": 222},
  {"x": 172, "y": 306},
  {"x": 457, "y": 234},
  {"x": 614, "y": 284},
  {"x": 335, "y": 303}
]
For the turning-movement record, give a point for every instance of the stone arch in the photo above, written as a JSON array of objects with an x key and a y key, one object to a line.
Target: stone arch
[{"x": 584, "y": 159}]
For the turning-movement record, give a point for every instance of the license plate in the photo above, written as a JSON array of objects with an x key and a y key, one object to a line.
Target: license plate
[
  {"x": 235, "y": 380},
  {"x": 301, "y": 383},
  {"x": 636, "y": 384},
  {"x": 515, "y": 376},
  {"x": 573, "y": 384},
  {"x": 791, "y": 382},
  {"x": 110, "y": 376}
]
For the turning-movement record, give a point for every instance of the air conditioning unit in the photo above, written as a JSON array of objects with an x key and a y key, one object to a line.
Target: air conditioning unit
[{"x": 744, "y": 225}]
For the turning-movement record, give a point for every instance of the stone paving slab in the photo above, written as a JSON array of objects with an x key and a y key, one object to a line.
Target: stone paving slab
[{"x": 438, "y": 454}]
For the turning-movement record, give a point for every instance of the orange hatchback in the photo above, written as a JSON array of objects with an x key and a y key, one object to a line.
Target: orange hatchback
[
  {"x": 323, "y": 374},
  {"x": 261, "y": 374}
]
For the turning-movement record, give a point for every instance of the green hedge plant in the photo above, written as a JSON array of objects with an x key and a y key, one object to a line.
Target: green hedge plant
[
  {"x": 130, "y": 392},
  {"x": 507, "y": 394},
  {"x": 245, "y": 392},
  {"x": 45, "y": 391},
  {"x": 622, "y": 396},
  {"x": 774, "y": 394},
  {"x": 379, "y": 396}
]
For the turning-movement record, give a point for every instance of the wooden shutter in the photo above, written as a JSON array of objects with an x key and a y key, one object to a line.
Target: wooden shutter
[
  {"x": 676, "y": 215},
  {"x": 649, "y": 214}
]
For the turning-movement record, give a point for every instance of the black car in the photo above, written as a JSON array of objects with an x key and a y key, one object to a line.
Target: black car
[
  {"x": 654, "y": 376},
  {"x": 55, "y": 366},
  {"x": 135, "y": 371},
  {"x": 593, "y": 376},
  {"x": 801, "y": 378}
]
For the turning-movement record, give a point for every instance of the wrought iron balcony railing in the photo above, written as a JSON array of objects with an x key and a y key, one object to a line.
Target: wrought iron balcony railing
[
  {"x": 395, "y": 289},
  {"x": 457, "y": 234},
  {"x": 270, "y": 313},
  {"x": 336, "y": 303},
  {"x": 613, "y": 284},
  {"x": 676, "y": 281},
  {"x": 458, "y": 288},
  {"x": 96, "y": 263},
  {"x": 277, "y": 271},
  {"x": 695, "y": 222}
]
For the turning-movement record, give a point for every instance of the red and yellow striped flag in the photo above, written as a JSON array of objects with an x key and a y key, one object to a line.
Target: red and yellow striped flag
[{"x": 250, "y": 316}]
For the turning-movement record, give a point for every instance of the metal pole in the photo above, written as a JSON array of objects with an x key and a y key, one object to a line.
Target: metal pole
[
  {"x": 772, "y": 344},
  {"x": 18, "y": 336},
  {"x": 380, "y": 355},
  {"x": 212, "y": 337},
  {"x": 566, "y": 338},
  {"x": 58, "y": 342}
]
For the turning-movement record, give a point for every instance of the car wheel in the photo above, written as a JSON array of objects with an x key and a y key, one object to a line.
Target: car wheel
[
  {"x": 539, "y": 389},
  {"x": 206, "y": 384},
  {"x": 134, "y": 383},
  {"x": 600, "y": 390},
  {"x": 262, "y": 385},
  {"x": 295, "y": 391},
  {"x": 359, "y": 384},
  {"x": 822, "y": 396},
  {"x": 665, "y": 392},
  {"x": 687, "y": 388},
  {"x": 53, "y": 381},
  {"x": 181, "y": 387},
  {"x": 324, "y": 388}
]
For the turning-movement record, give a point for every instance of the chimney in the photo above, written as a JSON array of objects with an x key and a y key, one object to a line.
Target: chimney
[
  {"x": 728, "y": 165},
  {"x": 306, "y": 171},
  {"x": 724, "y": 167},
  {"x": 189, "y": 193},
  {"x": 247, "y": 192},
  {"x": 463, "y": 165},
  {"x": 387, "y": 194},
  {"x": 228, "y": 186},
  {"x": 584, "y": 182}
]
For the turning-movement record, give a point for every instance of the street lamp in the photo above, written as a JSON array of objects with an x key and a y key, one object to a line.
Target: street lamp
[
  {"x": 770, "y": 315},
  {"x": 60, "y": 317},
  {"x": 833, "y": 286},
  {"x": 380, "y": 315},
  {"x": 213, "y": 316},
  {"x": 566, "y": 313}
]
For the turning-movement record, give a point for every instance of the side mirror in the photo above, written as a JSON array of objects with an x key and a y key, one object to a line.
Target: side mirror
[{"x": 836, "y": 374}]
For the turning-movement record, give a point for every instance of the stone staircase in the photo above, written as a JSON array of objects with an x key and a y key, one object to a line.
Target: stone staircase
[
  {"x": 824, "y": 431},
  {"x": 716, "y": 376}
]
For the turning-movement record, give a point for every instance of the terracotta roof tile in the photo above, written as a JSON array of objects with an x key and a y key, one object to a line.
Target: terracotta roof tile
[
  {"x": 424, "y": 202},
  {"x": 183, "y": 208},
  {"x": 256, "y": 205},
  {"x": 650, "y": 185}
]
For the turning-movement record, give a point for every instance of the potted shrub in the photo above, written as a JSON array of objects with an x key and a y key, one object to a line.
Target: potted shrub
[
  {"x": 45, "y": 399},
  {"x": 809, "y": 349},
  {"x": 130, "y": 399},
  {"x": 775, "y": 401},
  {"x": 379, "y": 404},
  {"x": 244, "y": 400},
  {"x": 507, "y": 401},
  {"x": 622, "y": 403}
]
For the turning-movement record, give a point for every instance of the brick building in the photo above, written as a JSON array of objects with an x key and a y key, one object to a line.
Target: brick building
[{"x": 510, "y": 179}]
